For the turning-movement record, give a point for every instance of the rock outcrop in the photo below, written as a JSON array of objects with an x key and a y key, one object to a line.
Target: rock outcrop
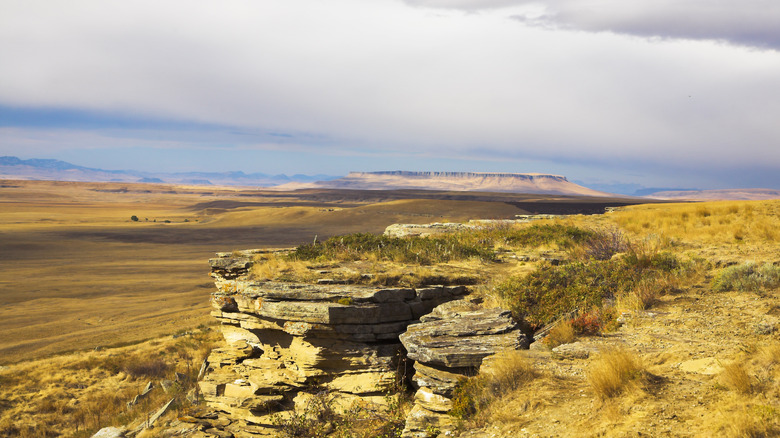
[
  {"x": 448, "y": 345},
  {"x": 285, "y": 341}
]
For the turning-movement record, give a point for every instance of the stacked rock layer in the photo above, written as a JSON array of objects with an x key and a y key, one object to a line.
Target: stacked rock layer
[
  {"x": 447, "y": 346},
  {"x": 286, "y": 341}
]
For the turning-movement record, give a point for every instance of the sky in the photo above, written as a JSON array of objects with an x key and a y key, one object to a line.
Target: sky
[{"x": 655, "y": 93}]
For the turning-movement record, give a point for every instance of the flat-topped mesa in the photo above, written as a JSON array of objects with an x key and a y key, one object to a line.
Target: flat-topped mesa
[
  {"x": 286, "y": 338},
  {"x": 410, "y": 174},
  {"x": 531, "y": 183}
]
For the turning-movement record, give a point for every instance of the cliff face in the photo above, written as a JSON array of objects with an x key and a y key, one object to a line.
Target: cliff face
[{"x": 533, "y": 183}]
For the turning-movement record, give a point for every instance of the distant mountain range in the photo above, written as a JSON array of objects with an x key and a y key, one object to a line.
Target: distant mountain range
[
  {"x": 48, "y": 169},
  {"x": 717, "y": 195},
  {"x": 56, "y": 170}
]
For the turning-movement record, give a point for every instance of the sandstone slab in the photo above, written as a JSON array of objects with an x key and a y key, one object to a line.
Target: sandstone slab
[{"x": 464, "y": 341}]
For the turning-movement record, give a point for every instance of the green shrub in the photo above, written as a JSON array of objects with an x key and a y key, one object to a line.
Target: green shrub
[
  {"x": 420, "y": 250},
  {"x": 604, "y": 244},
  {"x": 536, "y": 235},
  {"x": 747, "y": 276},
  {"x": 479, "y": 243},
  {"x": 551, "y": 291}
]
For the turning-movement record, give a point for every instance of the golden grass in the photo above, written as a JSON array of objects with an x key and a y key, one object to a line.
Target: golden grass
[
  {"x": 708, "y": 222},
  {"x": 480, "y": 397},
  {"x": 278, "y": 267},
  {"x": 757, "y": 421},
  {"x": 507, "y": 371},
  {"x": 754, "y": 381},
  {"x": 85, "y": 275},
  {"x": 79, "y": 393},
  {"x": 611, "y": 373},
  {"x": 562, "y": 333}
]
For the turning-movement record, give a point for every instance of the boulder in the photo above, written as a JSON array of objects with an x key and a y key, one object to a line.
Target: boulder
[
  {"x": 440, "y": 381},
  {"x": 230, "y": 267},
  {"x": 111, "y": 432},
  {"x": 431, "y": 401},
  {"x": 420, "y": 422},
  {"x": 574, "y": 350}
]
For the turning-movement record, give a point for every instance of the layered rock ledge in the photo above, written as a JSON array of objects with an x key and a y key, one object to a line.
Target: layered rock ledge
[
  {"x": 448, "y": 346},
  {"x": 285, "y": 341}
]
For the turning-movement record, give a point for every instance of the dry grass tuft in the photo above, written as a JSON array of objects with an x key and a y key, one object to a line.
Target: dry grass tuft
[
  {"x": 279, "y": 267},
  {"x": 768, "y": 357},
  {"x": 478, "y": 397},
  {"x": 147, "y": 367},
  {"x": 507, "y": 371},
  {"x": 613, "y": 371},
  {"x": 562, "y": 333},
  {"x": 735, "y": 377}
]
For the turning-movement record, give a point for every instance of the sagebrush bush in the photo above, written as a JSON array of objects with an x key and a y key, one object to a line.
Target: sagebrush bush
[
  {"x": 602, "y": 245},
  {"x": 536, "y": 235},
  {"x": 747, "y": 276}
]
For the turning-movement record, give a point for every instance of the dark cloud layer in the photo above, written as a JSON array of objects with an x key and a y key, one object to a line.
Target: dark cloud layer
[{"x": 743, "y": 22}]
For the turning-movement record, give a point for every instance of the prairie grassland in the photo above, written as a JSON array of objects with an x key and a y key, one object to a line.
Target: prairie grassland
[
  {"x": 76, "y": 394},
  {"x": 76, "y": 272},
  {"x": 698, "y": 349},
  {"x": 717, "y": 222}
]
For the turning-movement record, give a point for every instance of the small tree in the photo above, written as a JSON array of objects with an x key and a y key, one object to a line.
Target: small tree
[{"x": 134, "y": 218}]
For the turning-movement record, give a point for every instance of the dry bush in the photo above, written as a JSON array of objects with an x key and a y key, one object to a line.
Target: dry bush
[
  {"x": 562, "y": 333},
  {"x": 147, "y": 367},
  {"x": 601, "y": 245},
  {"x": 613, "y": 371}
]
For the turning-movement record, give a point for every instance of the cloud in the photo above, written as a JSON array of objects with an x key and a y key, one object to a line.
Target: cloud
[
  {"x": 382, "y": 78},
  {"x": 743, "y": 22}
]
